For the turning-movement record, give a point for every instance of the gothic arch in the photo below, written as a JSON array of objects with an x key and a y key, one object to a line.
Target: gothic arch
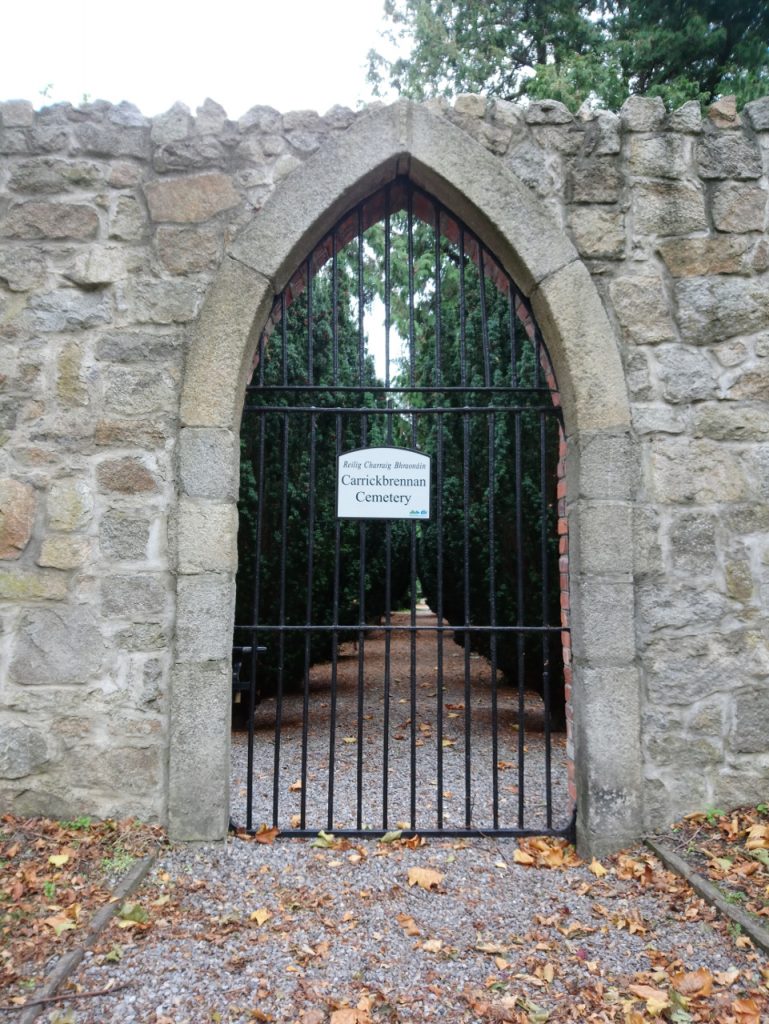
[{"x": 408, "y": 139}]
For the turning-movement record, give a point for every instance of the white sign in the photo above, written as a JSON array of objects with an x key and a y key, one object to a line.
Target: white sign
[{"x": 383, "y": 483}]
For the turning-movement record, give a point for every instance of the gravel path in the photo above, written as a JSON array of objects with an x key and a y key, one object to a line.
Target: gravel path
[
  {"x": 441, "y": 769},
  {"x": 290, "y": 933}
]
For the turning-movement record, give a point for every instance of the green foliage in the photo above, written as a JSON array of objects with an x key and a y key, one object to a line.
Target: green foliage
[{"x": 600, "y": 50}]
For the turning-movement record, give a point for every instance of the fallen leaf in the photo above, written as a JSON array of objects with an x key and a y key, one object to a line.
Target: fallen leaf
[
  {"x": 656, "y": 998},
  {"x": 408, "y": 924},
  {"x": 521, "y": 857},
  {"x": 295, "y": 786},
  {"x": 58, "y": 859},
  {"x": 693, "y": 983},
  {"x": 726, "y": 978},
  {"x": 390, "y": 837},
  {"x": 323, "y": 840},
  {"x": 746, "y": 1011},
  {"x": 60, "y": 923},
  {"x": 425, "y": 878},
  {"x": 132, "y": 913},
  {"x": 260, "y": 916},
  {"x": 597, "y": 868},
  {"x": 266, "y": 835},
  {"x": 432, "y": 945}
]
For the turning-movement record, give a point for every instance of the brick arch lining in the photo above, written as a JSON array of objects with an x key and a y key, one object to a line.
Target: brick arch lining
[{"x": 407, "y": 139}]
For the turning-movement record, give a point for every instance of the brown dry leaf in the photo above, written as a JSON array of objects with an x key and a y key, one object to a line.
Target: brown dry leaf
[
  {"x": 490, "y": 947},
  {"x": 58, "y": 859},
  {"x": 726, "y": 978},
  {"x": 432, "y": 945},
  {"x": 260, "y": 916},
  {"x": 521, "y": 857},
  {"x": 746, "y": 1011},
  {"x": 425, "y": 878},
  {"x": 408, "y": 924},
  {"x": 597, "y": 868},
  {"x": 656, "y": 998},
  {"x": 758, "y": 838},
  {"x": 295, "y": 787},
  {"x": 60, "y": 923},
  {"x": 693, "y": 983},
  {"x": 266, "y": 835}
]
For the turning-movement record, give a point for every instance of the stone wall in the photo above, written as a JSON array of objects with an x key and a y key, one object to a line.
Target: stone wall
[{"x": 113, "y": 228}]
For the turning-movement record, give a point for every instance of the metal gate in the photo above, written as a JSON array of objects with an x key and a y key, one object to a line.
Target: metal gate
[{"x": 409, "y": 671}]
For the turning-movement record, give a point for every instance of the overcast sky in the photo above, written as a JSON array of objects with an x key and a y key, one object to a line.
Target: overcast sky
[{"x": 289, "y": 54}]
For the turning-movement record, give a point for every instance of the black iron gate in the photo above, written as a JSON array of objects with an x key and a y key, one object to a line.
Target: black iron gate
[{"x": 410, "y": 672}]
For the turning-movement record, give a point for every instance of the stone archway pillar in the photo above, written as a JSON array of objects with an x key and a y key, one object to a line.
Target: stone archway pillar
[{"x": 408, "y": 139}]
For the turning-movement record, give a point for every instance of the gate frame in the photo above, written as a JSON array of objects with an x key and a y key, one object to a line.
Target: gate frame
[{"x": 407, "y": 139}]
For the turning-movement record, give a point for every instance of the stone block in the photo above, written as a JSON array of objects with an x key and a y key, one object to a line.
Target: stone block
[
  {"x": 195, "y": 153},
  {"x": 748, "y": 734},
  {"x": 757, "y": 113},
  {"x": 205, "y": 610},
  {"x": 210, "y": 117},
  {"x": 598, "y": 233},
  {"x": 683, "y": 752},
  {"x": 57, "y": 646},
  {"x": 209, "y": 463},
  {"x": 21, "y": 584},
  {"x": 686, "y": 118},
  {"x": 681, "y": 471},
  {"x": 740, "y": 584},
  {"x": 532, "y": 165},
  {"x": 23, "y": 749},
  {"x": 199, "y": 747},
  {"x": 728, "y": 155},
  {"x": 657, "y": 156},
  {"x": 642, "y": 114},
  {"x": 752, "y": 385},
  {"x": 136, "y": 391},
  {"x": 64, "y": 552},
  {"x": 190, "y": 199},
  {"x": 128, "y": 221},
  {"x": 206, "y": 537},
  {"x": 139, "y": 347},
  {"x": 658, "y": 419},
  {"x": 188, "y": 250},
  {"x": 69, "y": 309},
  {"x": 69, "y": 505},
  {"x": 603, "y": 134},
  {"x": 548, "y": 112},
  {"x": 601, "y": 466},
  {"x": 668, "y": 208},
  {"x": 71, "y": 387},
  {"x": 642, "y": 309},
  {"x": 597, "y": 180},
  {"x": 49, "y": 175},
  {"x": 124, "y": 535},
  {"x": 738, "y": 206},
  {"x": 101, "y": 265},
  {"x": 16, "y": 114},
  {"x": 600, "y": 537},
  {"x": 166, "y": 302},
  {"x": 725, "y": 421},
  {"x": 112, "y": 140},
  {"x": 125, "y": 476},
  {"x": 261, "y": 119},
  {"x": 687, "y": 375},
  {"x": 17, "y": 516},
  {"x": 723, "y": 113},
  {"x": 683, "y": 669},
  {"x": 137, "y": 597},
  {"x": 711, "y": 309},
  {"x": 128, "y": 115},
  {"x": 143, "y": 636},
  {"x": 22, "y": 268},
  {"x": 50, "y": 221},
  {"x": 111, "y": 433},
  {"x": 603, "y": 614},
  {"x": 647, "y": 551},
  {"x": 693, "y": 257},
  {"x": 692, "y": 540},
  {"x": 171, "y": 126}
]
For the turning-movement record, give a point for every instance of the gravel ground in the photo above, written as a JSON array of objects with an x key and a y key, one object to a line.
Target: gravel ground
[
  {"x": 286, "y": 932},
  {"x": 435, "y": 751}
]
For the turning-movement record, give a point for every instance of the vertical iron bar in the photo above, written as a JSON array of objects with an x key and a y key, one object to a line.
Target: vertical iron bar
[
  {"x": 493, "y": 622},
  {"x": 334, "y": 309},
  {"x": 438, "y": 380},
  {"x": 543, "y": 525},
  {"x": 361, "y": 545},
  {"x": 255, "y": 607},
  {"x": 283, "y": 338},
  {"x": 484, "y": 320},
  {"x": 413, "y": 528},
  {"x": 308, "y": 619},
  {"x": 466, "y": 525},
  {"x": 310, "y": 339},
  {"x": 519, "y": 616},
  {"x": 334, "y": 647},
  {"x": 513, "y": 335},
  {"x": 282, "y": 622},
  {"x": 388, "y": 536}
]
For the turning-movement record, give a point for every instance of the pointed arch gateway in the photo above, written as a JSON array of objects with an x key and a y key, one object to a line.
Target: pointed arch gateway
[{"x": 407, "y": 141}]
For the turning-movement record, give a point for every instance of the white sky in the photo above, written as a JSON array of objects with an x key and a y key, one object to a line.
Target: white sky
[{"x": 289, "y": 54}]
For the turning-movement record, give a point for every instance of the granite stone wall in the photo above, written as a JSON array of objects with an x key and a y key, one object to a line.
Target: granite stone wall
[{"x": 114, "y": 229}]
